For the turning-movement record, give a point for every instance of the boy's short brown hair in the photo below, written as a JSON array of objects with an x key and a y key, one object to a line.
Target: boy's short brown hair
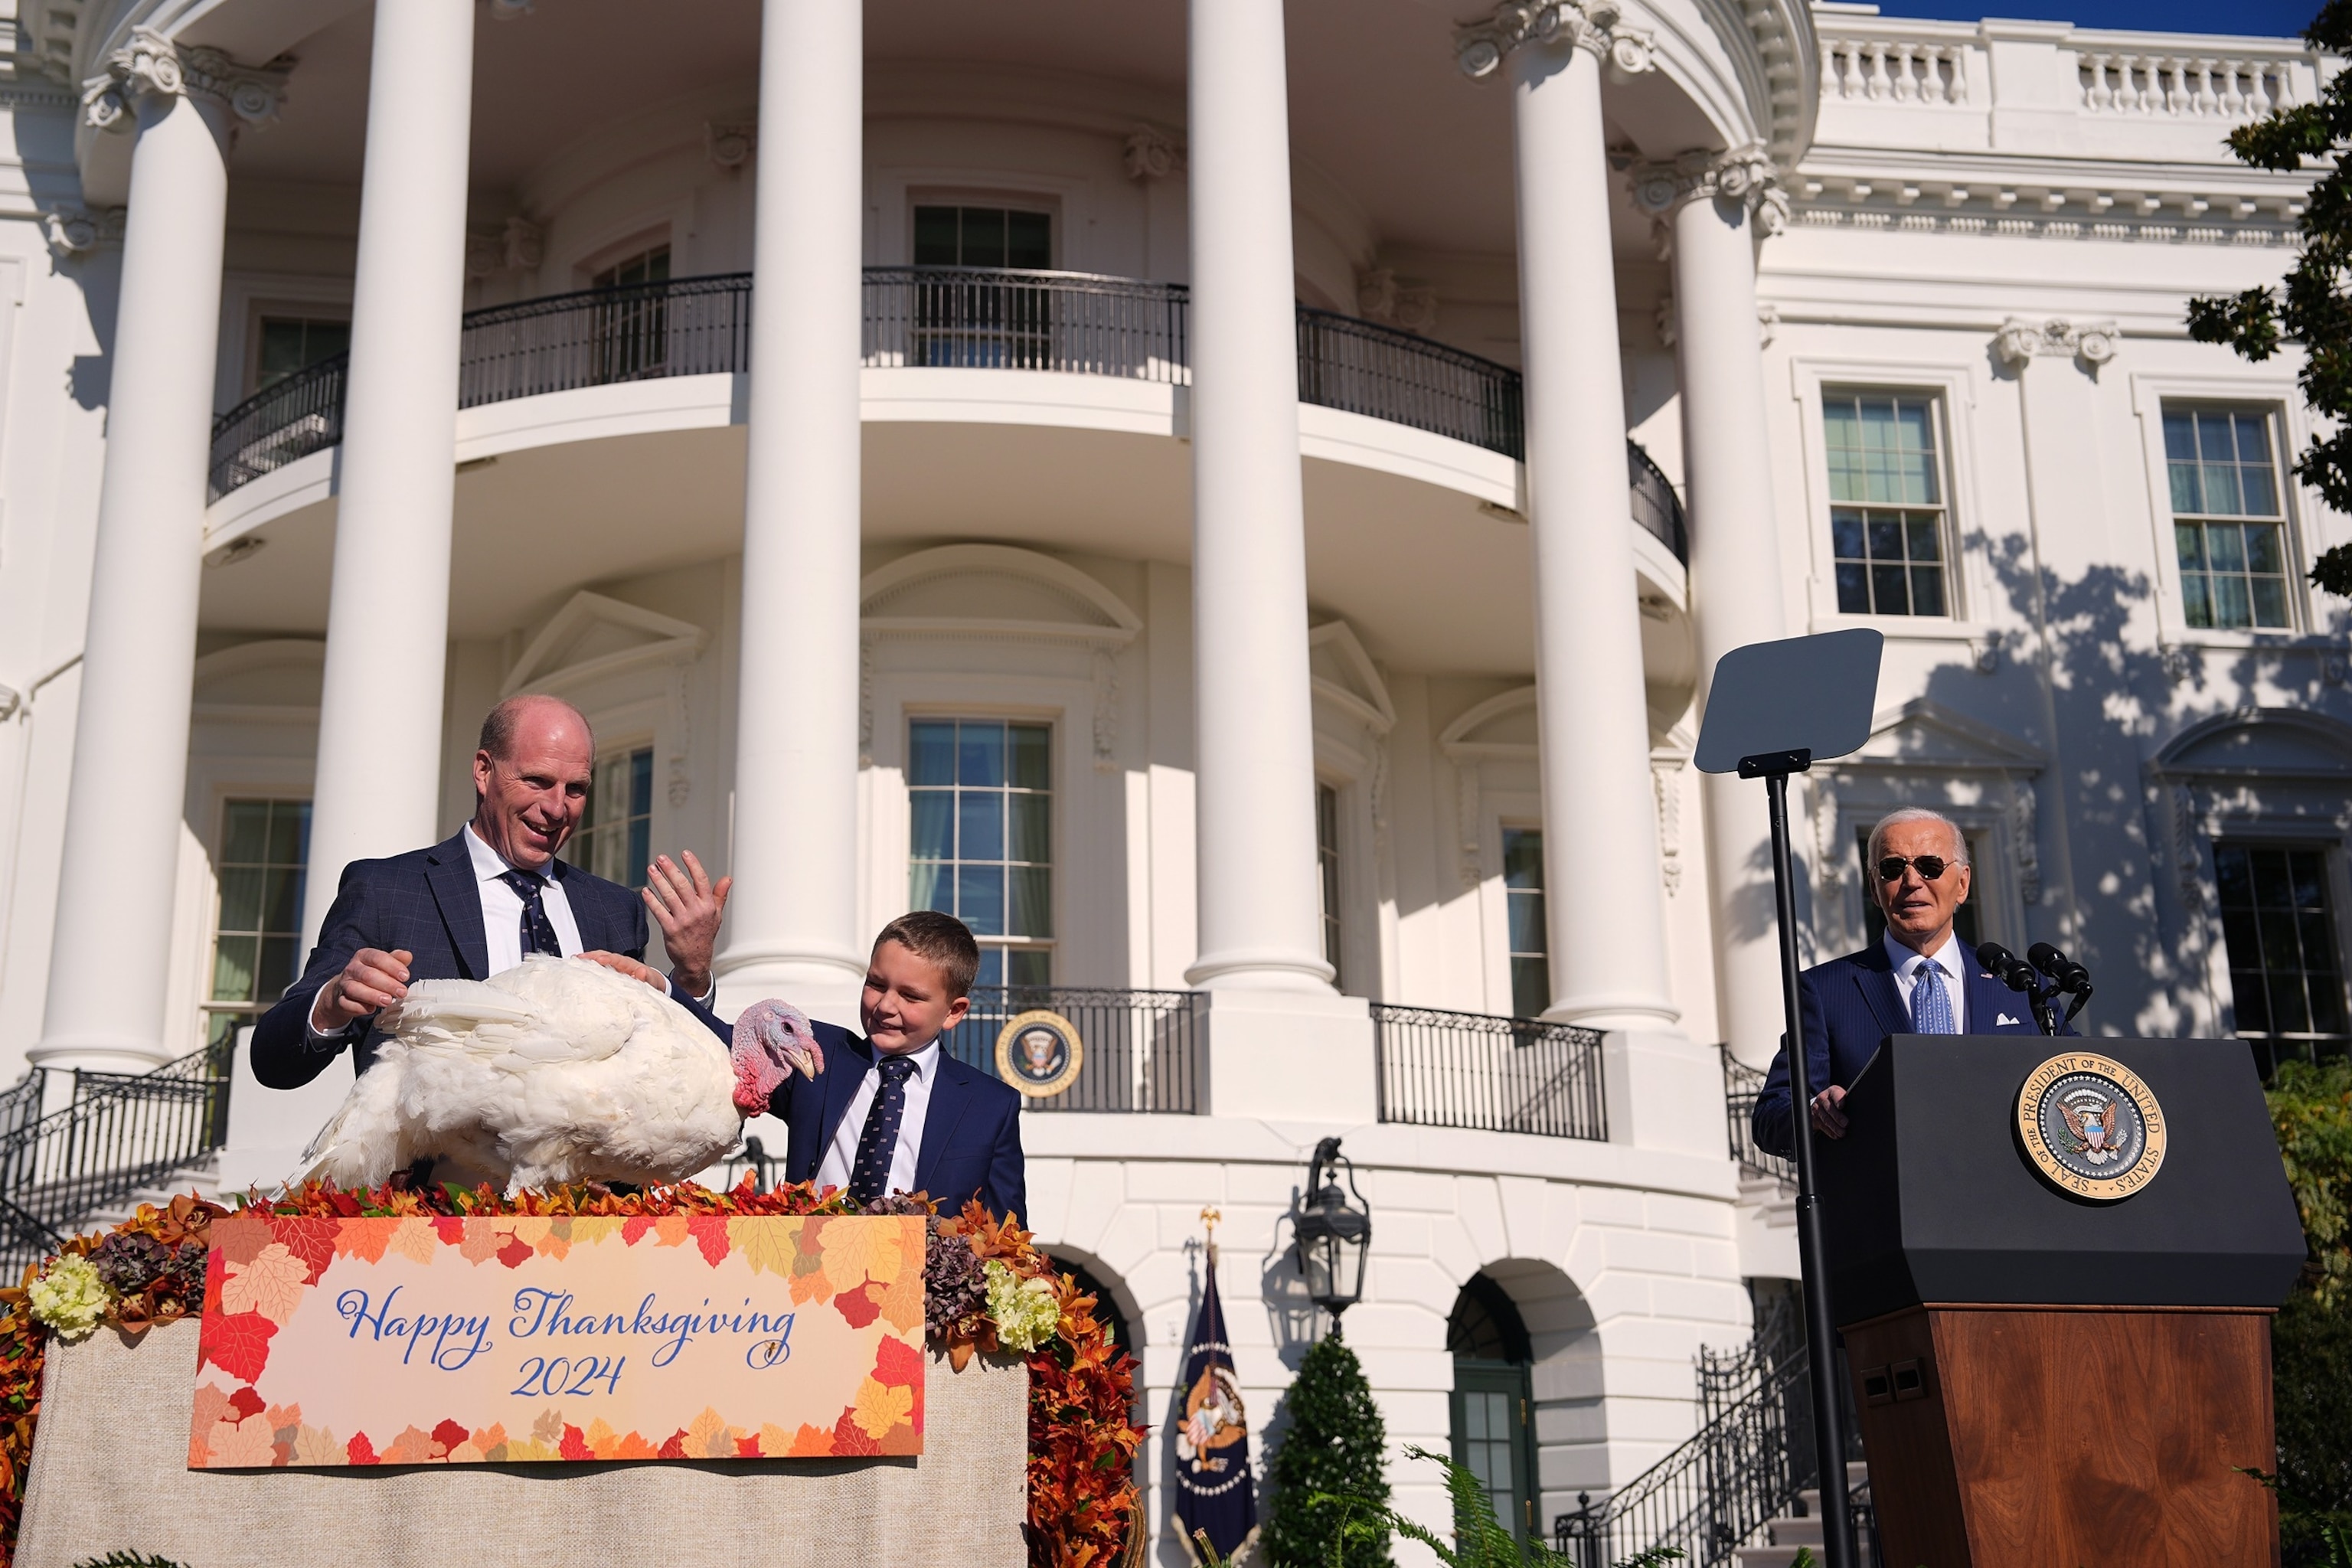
[{"x": 941, "y": 940}]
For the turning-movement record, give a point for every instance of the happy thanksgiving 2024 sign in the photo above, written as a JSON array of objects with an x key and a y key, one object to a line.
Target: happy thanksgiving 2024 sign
[{"x": 415, "y": 1340}]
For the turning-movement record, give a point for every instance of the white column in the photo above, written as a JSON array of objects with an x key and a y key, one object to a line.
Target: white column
[
  {"x": 1712, "y": 206},
  {"x": 380, "y": 720},
  {"x": 1260, "y": 903},
  {"x": 1600, "y": 834},
  {"x": 110, "y": 962},
  {"x": 790, "y": 926}
]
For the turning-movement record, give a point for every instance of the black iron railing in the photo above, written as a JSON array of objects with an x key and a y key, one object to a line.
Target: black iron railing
[
  {"x": 1752, "y": 1461},
  {"x": 122, "y": 1132},
  {"x": 1439, "y": 1069},
  {"x": 283, "y": 423},
  {"x": 961, "y": 317},
  {"x": 1741, "y": 1085},
  {"x": 1141, "y": 1050},
  {"x": 1366, "y": 368},
  {"x": 995, "y": 318},
  {"x": 1655, "y": 506},
  {"x": 639, "y": 332}
]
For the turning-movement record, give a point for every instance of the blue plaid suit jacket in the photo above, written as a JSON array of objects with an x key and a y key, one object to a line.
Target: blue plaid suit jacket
[
  {"x": 428, "y": 902},
  {"x": 1849, "y": 1006}
]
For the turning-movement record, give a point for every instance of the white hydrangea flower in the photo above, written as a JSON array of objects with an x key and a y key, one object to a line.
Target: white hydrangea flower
[
  {"x": 1027, "y": 1312},
  {"x": 70, "y": 1298}
]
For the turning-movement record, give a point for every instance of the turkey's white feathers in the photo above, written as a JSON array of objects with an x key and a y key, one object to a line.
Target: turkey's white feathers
[{"x": 557, "y": 1070}]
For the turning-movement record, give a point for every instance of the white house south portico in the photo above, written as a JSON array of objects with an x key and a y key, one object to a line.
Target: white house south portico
[{"x": 1238, "y": 502}]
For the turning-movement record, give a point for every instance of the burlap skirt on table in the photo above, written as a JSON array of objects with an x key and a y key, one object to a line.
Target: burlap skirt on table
[{"x": 109, "y": 1473}]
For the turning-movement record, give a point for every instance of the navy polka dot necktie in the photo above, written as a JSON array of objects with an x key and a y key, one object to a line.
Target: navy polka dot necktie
[
  {"x": 538, "y": 930},
  {"x": 878, "y": 1143}
]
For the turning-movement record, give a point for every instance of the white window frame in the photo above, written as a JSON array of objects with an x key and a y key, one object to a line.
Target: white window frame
[
  {"x": 1057, "y": 735},
  {"x": 2216, "y": 811},
  {"x": 2223, "y": 825},
  {"x": 1967, "y": 583},
  {"x": 895, "y": 191},
  {"x": 245, "y": 297},
  {"x": 2277, "y": 395}
]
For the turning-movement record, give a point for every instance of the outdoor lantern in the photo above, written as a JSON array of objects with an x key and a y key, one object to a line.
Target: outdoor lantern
[{"x": 1334, "y": 1234}]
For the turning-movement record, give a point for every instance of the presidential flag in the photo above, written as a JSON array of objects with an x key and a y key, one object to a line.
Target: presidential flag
[{"x": 1215, "y": 1491}]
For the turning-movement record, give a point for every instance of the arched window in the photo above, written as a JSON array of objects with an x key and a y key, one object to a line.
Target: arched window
[{"x": 1494, "y": 1401}]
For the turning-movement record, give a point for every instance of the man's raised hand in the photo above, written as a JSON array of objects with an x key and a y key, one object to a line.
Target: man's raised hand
[
  {"x": 373, "y": 981},
  {"x": 687, "y": 906}
]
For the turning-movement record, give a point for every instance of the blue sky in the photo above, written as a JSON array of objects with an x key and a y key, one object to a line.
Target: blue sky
[{"x": 2275, "y": 18}]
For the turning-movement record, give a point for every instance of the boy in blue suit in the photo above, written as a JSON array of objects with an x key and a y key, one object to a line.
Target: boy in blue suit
[
  {"x": 1917, "y": 979},
  {"x": 892, "y": 1111}
]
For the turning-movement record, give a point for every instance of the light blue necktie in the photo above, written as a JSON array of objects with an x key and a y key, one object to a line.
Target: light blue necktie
[{"x": 1931, "y": 1005}]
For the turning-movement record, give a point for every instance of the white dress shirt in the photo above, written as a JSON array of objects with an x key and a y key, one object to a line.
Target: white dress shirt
[
  {"x": 502, "y": 905},
  {"x": 501, "y": 917},
  {"x": 833, "y": 1170},
  {"x": 1951, "y": 958}
]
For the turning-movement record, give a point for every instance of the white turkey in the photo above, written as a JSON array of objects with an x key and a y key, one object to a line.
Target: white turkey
[{"x": 557, "y": 1070}]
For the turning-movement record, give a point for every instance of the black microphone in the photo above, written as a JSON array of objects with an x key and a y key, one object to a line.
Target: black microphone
[
  {"x": 2006, "y": 967},
  {"x": 2063, "y": 972}
]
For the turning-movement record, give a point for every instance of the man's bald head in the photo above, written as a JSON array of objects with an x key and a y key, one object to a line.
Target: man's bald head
[
  {"x": 531, "y": 775},
  {"x": 502, "y": 724}
]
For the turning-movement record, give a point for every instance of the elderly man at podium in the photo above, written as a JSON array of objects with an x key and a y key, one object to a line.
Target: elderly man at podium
[{"x": 1918, "y": 979}]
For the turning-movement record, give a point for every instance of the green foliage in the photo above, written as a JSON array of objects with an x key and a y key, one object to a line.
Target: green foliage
[
  {"x": 2311, "y": 1373},
  {"x": 2308, "y": 1537},
  {"x": 126, "y": 1560},
  {"x": 2311, "y": 1108},
  {"x": 2311, "y": 1339},
  {"x": 1479, "y": 1540},
  {"x": 2318, "y": 309},
  {"x": 1329, "y": 1495}
]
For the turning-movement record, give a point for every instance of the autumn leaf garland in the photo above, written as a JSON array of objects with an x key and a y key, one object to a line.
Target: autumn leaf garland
[{"x": 158, "y": 1266}]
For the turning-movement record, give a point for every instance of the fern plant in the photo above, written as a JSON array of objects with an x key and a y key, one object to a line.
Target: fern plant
[{"x": 1480, "y": 1539}]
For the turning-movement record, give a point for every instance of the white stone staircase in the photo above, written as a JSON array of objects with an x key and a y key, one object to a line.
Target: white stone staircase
[
  {"x": 1785, "y": 1534},
  {"x": 200, "y": 1176}
]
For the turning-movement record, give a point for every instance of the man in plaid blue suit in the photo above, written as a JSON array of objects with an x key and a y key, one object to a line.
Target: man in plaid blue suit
[{"x": 478, "y": 902}]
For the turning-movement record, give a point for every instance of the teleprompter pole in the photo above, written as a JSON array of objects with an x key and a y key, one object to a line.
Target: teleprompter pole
[{"x": 1821, "y": 1331}]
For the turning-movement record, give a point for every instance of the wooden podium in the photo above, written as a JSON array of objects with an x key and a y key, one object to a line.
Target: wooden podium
[{"x": 2055, "y": 1376}]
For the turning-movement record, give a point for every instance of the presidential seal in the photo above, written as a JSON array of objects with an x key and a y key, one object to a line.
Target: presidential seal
[
  {"x": 1039, "y": 1053},
  {"x": 2090, "y": 1126},
  {"x": 1213, "y": 1422}
]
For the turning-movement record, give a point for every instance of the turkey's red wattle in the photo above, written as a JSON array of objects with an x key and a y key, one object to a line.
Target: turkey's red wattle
[{"x": 755, "y": 1080}]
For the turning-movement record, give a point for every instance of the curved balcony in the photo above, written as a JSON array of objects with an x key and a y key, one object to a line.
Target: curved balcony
[{"x": 936, "y": 317}]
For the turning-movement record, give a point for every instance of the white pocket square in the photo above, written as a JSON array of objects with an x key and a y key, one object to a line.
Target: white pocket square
[{"x": 2005, "y": 1019}]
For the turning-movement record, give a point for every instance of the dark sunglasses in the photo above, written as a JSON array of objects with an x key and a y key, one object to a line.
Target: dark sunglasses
[{"x": 1929, "y": 866}]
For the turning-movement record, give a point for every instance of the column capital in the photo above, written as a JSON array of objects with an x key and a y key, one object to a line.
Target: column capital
[
  {"x": 153, "y": 66},
  {"x": 1593, "y": 26},
  {"x": 2019, "y": 339},
  {"x": 1744, "y": 174},
  {"x": 1152, "y": 154},
  {"x": 77, "y": 231}
]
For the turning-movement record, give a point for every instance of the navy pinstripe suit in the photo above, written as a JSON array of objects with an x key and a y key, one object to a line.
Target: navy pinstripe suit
[
  {"x": 1849, "y": 1006},
  {"x": 428, "y": 902}
]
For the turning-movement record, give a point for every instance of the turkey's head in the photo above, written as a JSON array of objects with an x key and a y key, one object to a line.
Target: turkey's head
[{"x": 772, "y": 1040}]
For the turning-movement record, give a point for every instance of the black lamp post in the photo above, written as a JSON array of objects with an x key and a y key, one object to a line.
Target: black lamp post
[{"x": 1333, "y": 1234}]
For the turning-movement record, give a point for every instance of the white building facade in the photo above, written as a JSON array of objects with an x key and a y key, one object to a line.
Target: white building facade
[{"x": 1155, "y": 480}]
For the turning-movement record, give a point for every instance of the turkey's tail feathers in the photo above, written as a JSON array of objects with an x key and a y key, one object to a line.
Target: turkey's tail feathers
[{"x": 354, "y": 1146}]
